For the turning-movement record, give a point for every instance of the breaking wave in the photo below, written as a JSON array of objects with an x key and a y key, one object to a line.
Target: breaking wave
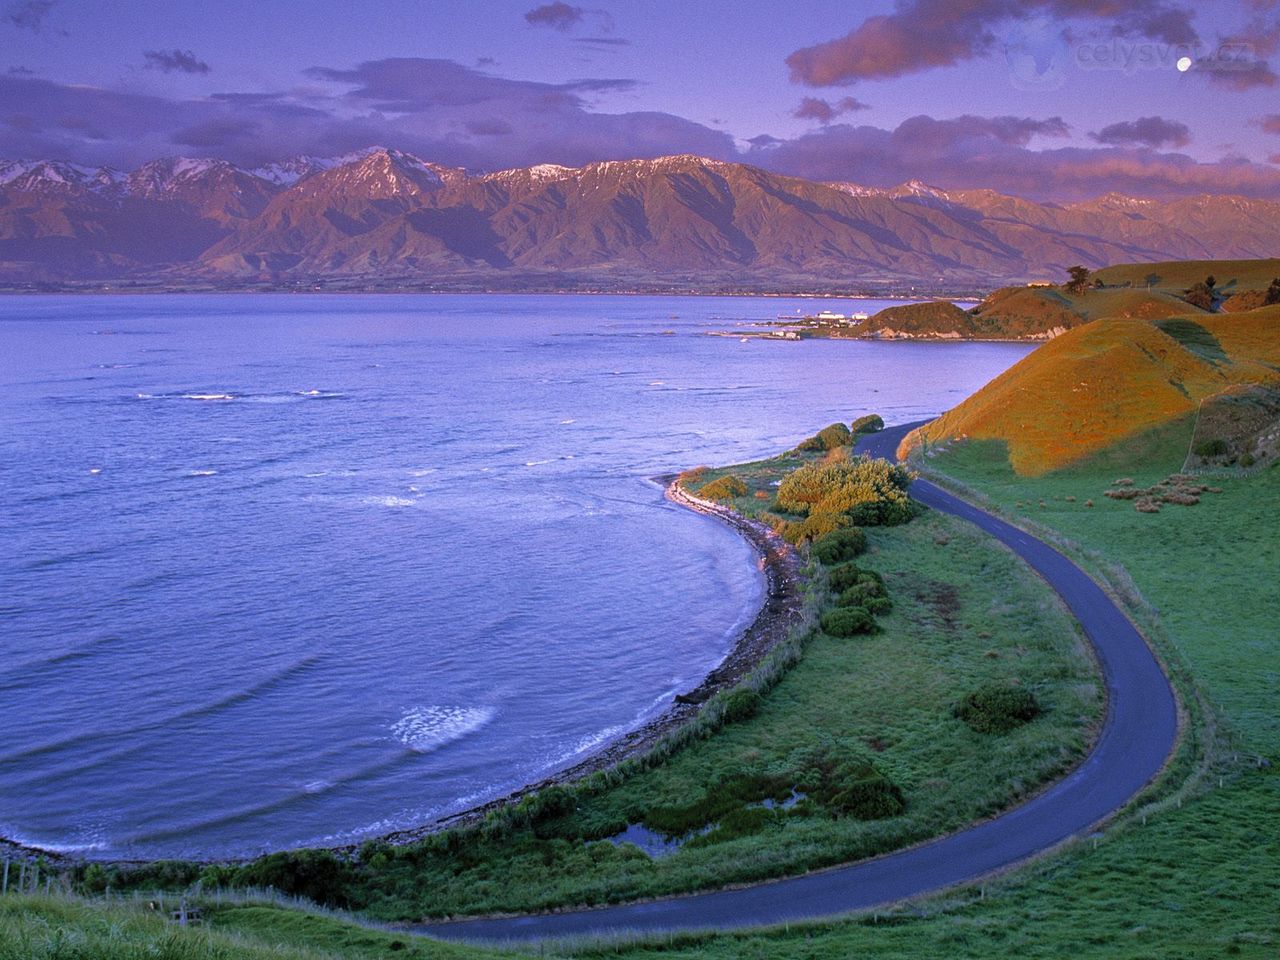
[{"x": 424, "y": 729}]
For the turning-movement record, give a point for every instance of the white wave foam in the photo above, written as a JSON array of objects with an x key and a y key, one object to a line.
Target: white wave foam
[
  {"x": 201, "y": 473},
  {"x": 424, "y": 729},
  {"x": 95, "y": 470},
  {"x": 423, "y": 472},
  {"x": 570, "y": 420},
  {"x": 208, "y": 396},
  {"x": 88, "y": 845},
  {"x": 389, "y": 501}
]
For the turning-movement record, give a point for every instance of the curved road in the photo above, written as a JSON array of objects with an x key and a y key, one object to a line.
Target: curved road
[{"x": 1138, "y": 734}]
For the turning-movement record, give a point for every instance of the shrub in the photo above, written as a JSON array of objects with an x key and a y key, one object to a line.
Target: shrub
[
  {"x": 859, "y": 593},
  {"x": 862, "y": 791},
  {"x": 315, "y": 874},
  {"x": 871, "y": 423},
  {"x": 1217, "y": 447},
  {"x": 828, "y": 438},
  {"x": 836, "y": 435},
  {"x": 845, "y": 575},
  {"x": 997, "y": 708},
  {"x": 839, "y": 546},
  {"x": 813, "y": 526},
  {"x": 725, "y": 488},
  {"x": 848, "y": 622},
  {"x": 884, "y": 513},
  {"x": 841, "y": 486},
  {"x": 741, "y": 705},
  {"x": 878, "y": 605}
]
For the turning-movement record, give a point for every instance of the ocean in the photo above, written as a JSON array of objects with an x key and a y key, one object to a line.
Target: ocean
[{"x": 286, "y": 570}]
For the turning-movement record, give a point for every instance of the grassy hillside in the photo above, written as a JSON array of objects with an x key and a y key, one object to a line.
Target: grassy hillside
[
  {"x": 1112, "y": 380},
  {"x": 1233, "y": 276},
  {"x": 1149, "y": 291},
  {"x": 62, "y": 927}
]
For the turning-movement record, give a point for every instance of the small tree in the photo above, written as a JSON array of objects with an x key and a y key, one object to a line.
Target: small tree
[
  {"x": 1273, "y": 292},
  {"x": 1200, "y": 295},
  {"x": 1079, "y": 279}
]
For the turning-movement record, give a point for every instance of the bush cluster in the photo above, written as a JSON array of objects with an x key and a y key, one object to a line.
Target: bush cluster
[
  {"x": 828, "y": 438},
  {"x": 724, "y": 488},
  {"x": 865, "y": 793},
  {"x": 1217, "y": 447},
  {"x": 839, "y": 546},
  {"x": 867, "y": 490},
  {"x": 741, "y": 704},
  {"x": 848, "y": 622},
  {"x": 997, "y": 708},
  {"x": 871, "y": 423},
  {"x": 859, "y": 595}
]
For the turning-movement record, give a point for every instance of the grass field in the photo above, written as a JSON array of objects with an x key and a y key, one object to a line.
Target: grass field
[{"x": 66, "y": 928}]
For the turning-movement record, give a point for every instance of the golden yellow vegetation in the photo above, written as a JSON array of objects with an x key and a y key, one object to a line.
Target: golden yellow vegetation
[{"x": 1111, "y": 379}]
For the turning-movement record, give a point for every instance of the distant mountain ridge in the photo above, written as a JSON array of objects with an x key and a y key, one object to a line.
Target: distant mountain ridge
[{"x": 382, "y": 215}]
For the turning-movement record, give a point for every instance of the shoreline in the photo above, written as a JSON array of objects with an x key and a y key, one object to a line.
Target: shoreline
[{"x": 780, "y": 611}]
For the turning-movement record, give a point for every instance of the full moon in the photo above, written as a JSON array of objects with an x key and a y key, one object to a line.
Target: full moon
[{"x": 1184, "y": 64}]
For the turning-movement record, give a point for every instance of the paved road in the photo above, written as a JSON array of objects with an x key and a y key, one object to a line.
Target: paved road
[{"x": 1138, "y": 735}]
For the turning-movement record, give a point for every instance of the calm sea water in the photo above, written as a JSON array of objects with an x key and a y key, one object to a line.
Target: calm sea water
[{"x": 287, "y": 570}]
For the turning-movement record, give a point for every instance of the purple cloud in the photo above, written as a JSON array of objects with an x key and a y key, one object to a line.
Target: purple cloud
[
  {"x": 174, "y": 61},
  {"x": 557, "y": 16},
  {"x": 815, "y": 108},
  {"x": 993, "y": 152},
  {"x": 924, "y": 34},
  {"x": 1144, "y": 132},
  {"x": 437, "y": 109},
  {"x": 1242, "y": 61},
  {"x": 29, "y": 15}
]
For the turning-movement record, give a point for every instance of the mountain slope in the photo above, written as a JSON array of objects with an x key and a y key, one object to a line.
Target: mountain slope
[{"x": 382, "y": 213}]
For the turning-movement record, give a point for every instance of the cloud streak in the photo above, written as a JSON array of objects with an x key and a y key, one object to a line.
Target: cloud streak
[
  {"x": 994, "y": 152},
  {"x": 174, "y": 61},
  {"x": 557, "y": 16},
  {"x": 925, "y": 34},
  {"x": 1144, "y": 132},
  {"x": 29, "y": 15},
  {"x": 816, "y": 108}
]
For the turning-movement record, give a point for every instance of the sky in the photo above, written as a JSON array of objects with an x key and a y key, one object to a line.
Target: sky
[{"x": 1047, "y": 99}]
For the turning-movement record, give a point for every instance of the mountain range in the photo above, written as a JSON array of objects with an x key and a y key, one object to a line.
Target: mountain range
[{"x": 382, "y": 218}]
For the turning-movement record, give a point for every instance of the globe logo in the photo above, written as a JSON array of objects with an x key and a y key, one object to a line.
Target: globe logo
[{"x": 1036, "y": 51}]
